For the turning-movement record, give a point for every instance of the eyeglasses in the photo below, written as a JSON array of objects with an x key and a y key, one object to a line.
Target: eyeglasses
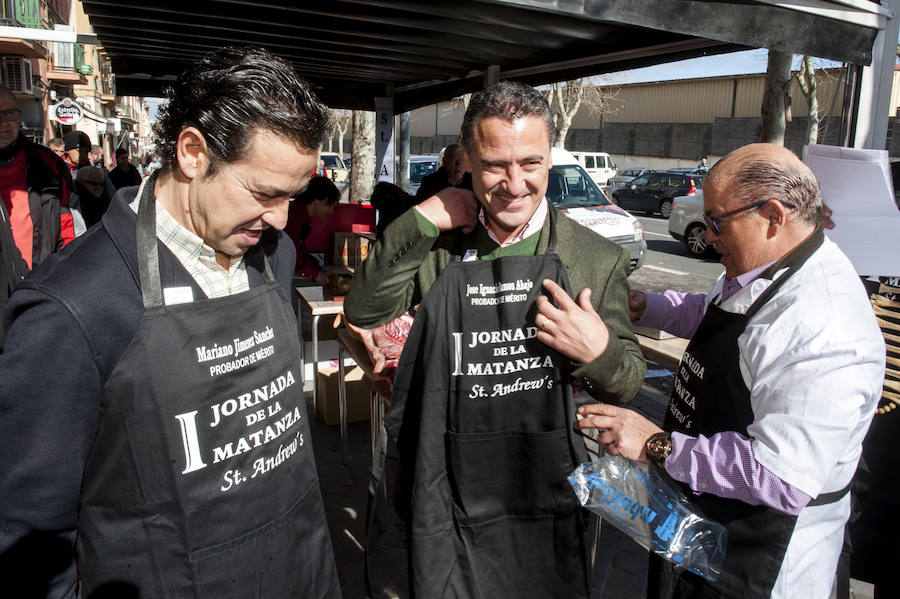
[
  {"x": 10, "y": 115},
  {"x": 713, "y": 221}
]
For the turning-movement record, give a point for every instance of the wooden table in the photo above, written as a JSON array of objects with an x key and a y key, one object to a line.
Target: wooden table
[{"x": 317, "y": 307}]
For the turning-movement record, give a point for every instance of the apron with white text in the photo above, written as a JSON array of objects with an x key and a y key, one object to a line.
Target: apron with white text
[
  {"x": 710, "y": 397},
  {"x": 202, "y": 481},
  {"x": 483, "y": 412}
]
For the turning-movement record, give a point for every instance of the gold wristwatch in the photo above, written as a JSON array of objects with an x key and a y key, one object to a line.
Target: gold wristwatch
[{"x": 658, "y": 447}]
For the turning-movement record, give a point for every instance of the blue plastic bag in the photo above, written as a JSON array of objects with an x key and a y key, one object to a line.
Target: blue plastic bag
[{"x": 642, "y": 502}]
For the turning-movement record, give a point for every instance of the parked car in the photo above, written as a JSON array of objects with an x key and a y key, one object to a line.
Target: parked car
[
  {"x": 627, "y": 175},
  {"x": 335, "y": 166},
  {"x": 653, "y": 192},
  {"x": 419, "y": 167},
  {"x": 689, "y": 171},
  {"x": 686, "y": 224},
  {"x": 572, "y": 190}
]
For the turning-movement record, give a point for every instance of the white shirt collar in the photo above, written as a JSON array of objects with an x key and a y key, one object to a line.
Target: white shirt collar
[{"x": 534, "y": 225}]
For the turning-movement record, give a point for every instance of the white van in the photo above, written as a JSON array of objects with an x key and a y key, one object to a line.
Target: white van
[
  {"x": 575, "y": 194},
  {"x": 599, "y": 165}
]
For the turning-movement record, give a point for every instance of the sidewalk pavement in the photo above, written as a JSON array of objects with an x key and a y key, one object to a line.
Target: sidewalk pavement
[{"x": 620, "y": 569}]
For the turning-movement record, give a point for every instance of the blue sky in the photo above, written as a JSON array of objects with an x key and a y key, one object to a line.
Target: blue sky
[{"x": 736, "y": 63}]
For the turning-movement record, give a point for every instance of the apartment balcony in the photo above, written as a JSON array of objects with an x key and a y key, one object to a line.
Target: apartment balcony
[
  {"x": 66, "y": 63},
  {"x": 107, "y": 83},
  {"x": 21, "y": 13}
]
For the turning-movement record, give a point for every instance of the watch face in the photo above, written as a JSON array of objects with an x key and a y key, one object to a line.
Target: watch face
[{"x": 659, "y": 446}]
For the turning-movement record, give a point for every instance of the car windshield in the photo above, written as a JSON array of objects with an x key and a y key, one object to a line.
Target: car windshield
[
  {"x": 569, "y": 187},
  {"x": 418, "y": 170},
  {"x": 332, "y": 162}
]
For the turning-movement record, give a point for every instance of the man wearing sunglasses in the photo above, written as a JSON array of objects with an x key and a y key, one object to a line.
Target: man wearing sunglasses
[
  {"x": 775, "y": 391},
  {"x": 35, "y": 220}
]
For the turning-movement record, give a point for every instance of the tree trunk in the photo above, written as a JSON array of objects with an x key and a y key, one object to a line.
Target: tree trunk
[
  {"x": 776, "y": 104},
  {"x": 362, "y": 175},
  {"x": 807, "y": 82},
  {"x": 562, "y": 129},
  {"x": 565, "y": 100},
  {"x": 403, "y": 162}
]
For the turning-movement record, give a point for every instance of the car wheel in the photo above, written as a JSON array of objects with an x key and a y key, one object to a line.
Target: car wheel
[
  {"x": 665, "y": 208},
  {"x": 615, "y": 199},
  {"x": 695, "y": 240}
]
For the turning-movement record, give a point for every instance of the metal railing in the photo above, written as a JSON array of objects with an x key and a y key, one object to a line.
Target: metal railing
[{"x": 21, "y": 13}]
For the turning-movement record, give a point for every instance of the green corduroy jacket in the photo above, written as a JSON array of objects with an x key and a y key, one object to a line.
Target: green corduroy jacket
[{"x": 401, "y": 268}]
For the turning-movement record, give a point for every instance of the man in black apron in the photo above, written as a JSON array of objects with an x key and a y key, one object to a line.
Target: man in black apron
[
  {"x": 482, "y": 407},
  {"x": 775, "y": 391},
  {"x": 153, "y": 411}
]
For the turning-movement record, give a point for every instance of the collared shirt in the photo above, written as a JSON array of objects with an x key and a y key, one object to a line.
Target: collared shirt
[
  {"x": 534, "y": 225},
  {"x": 198, "y": 258},
  {"x": 734, "y": 285}
]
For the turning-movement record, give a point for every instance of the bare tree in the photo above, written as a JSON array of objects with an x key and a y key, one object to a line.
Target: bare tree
[
  {"x": 342, "y": 119},
  {"x": 776, "y": 106},
  {"x": 462, "y": 100},
  {"x": 567, "y": 98},
  {"x": 362, "y": 175},
  {"x": 806, "y": 79}
]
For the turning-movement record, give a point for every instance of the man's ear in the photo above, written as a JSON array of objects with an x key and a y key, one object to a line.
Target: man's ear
[
  {"x": 192, "y": 153},
  {"x": 775, "y": 211}
]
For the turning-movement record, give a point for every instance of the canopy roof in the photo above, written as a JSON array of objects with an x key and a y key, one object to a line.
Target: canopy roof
[{"x": 424, "y": 51}]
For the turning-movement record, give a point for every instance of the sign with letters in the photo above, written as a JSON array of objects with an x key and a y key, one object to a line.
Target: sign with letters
[
  {"x": 384, "y": 139},
  {"x": 67, "y": 112}
]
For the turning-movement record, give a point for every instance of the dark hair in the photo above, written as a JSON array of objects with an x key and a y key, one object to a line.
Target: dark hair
[
  {"x": 390, "y": 201},
  {"x": 507, "y": 100},
  {"x": 233, "y": 92},
  {"x": 121, "y": 151},
  {"x": 319, "y": 188}
]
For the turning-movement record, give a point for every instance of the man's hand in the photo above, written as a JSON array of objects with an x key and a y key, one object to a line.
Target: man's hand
[
  {"x": 637, "y": 303},
  {"x": 623, "y": 432},
  {"x": 575, "y": 330},
  {"x": 451, "y": 208}
]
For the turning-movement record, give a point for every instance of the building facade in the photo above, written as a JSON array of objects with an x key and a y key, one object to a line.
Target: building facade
[{"x": 42, "y": 74}]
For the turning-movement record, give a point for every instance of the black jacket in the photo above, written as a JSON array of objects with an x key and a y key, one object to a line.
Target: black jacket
[
  {"x": 49, "y": 185},
  {"x": 436, "y": 181},
  {"x": 71, "y": 321},
  {"x": 124, "y": 178}
]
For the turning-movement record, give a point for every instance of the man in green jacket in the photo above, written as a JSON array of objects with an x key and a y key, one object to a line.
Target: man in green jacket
[
  {"x": 509, "y": 185},
  {"x": 482, "y": 409}
]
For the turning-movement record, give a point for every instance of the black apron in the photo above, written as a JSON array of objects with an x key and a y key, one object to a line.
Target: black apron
[
  {"x": 710, "y": 397},
  {"x": 482, "y": 413},
  {"x": 202, "y": 481}
]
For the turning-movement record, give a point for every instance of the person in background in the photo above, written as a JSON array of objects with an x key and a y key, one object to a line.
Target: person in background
[
  {"x": 317, "y": 200},
  {"x": 320, "y": 171},
  {"x": 92, "y": 194},
  {"x": 96, "y": 157},
  {"x": 140, "y": 458},
  {"x": 58, "y": 146},
  {"x": 78, "y": 150},
  {"x": 452, "y": 172},
  {"x": 35, "y": 216},
  {"x": 775, "y": 391},
  {"x": 124, "y": 174},
  {"x": 390, "y": 201}
]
